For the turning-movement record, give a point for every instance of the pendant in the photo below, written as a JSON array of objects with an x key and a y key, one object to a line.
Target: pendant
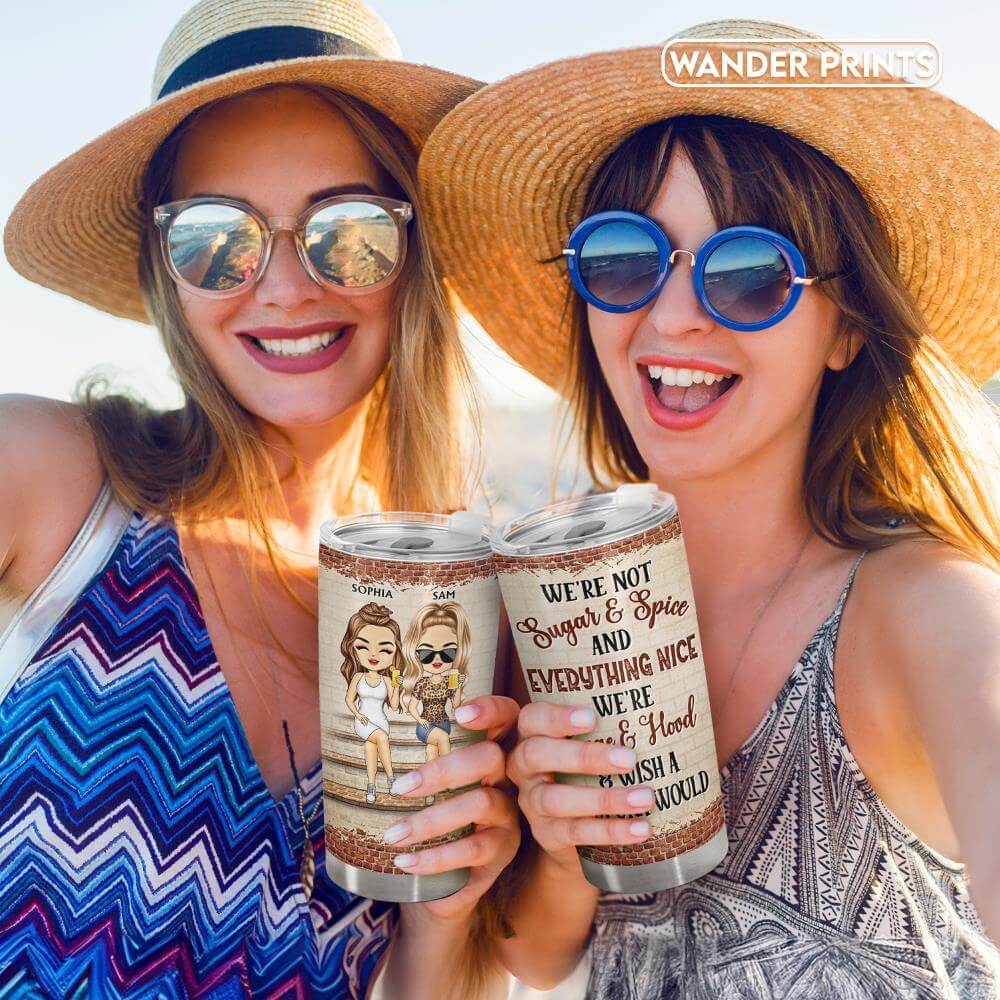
[{"x": 307, "y": 871}]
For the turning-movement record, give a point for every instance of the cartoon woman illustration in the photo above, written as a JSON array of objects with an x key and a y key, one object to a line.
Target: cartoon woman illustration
[
  {"x": 436, "y": 654},
  {"x": 371, "y": 646}
]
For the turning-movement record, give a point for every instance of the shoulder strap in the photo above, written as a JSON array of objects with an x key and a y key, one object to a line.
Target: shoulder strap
[
  {"x": 847, "y": 586},
  {"x": 825, "y": 666},
  {"x": 40, "y": 613}
]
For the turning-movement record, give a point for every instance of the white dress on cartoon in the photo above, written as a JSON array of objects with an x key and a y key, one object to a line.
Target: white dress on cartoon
[{"x": 371, "y": 704}]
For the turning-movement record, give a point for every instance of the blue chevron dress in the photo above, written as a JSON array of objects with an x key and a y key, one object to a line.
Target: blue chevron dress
[{"x": 141, "y": 852}]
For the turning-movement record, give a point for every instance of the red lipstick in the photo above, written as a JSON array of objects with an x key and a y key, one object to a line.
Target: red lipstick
[
  {"x": 303, "y": 363},
  {"x": 664, "y": 360}
]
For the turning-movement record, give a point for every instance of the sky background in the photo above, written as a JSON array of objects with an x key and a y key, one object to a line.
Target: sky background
[{"x": 71, "y": 71}]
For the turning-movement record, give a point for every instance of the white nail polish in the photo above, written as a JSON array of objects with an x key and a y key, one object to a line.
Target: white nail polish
[
  {"x": 640, "y": 797},
  {"x": 406, "y": 783},
  {"x": 404, "y": 861},
  {"x": 396, "y": 832},
  {"x": 622, "y": 757}
]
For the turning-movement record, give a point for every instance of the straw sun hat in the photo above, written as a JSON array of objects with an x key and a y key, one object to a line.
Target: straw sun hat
[
  {"x": 504, "y": 177},
  {"x": 76, "y": 229}
]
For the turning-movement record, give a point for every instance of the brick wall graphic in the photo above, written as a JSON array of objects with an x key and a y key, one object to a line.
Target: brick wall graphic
[{"x": 613, "y": 627}]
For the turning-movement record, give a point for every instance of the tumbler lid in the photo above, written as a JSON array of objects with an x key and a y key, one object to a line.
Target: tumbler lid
[
  {"x": 410, "y": 536},
  {"x": 585, "y": 522}
]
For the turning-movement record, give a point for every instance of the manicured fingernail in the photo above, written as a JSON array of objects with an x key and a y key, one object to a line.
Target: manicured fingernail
[
  {"x": 640, "y": 828},
  {"x": 637, "y": 797},
  {"x": 466, "y": 713},
  {"x": 396, "y": 832},
  {"x": 582, "y": 718},
  {"x": 622, "y": 757},
  {"x": 406, "y": 783},
  {"x": 405, "y": 860}
]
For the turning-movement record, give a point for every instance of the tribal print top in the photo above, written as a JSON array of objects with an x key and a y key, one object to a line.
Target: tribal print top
[
  {"x": 141, "y": 852},
  {"x": 824, "y": 892}
]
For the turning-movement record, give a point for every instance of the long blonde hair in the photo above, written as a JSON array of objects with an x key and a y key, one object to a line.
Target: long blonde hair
[
  {"x": 449, "y": 613},
  {"x": 902, "y": 430},
  {"x": 207, "y": 460}
]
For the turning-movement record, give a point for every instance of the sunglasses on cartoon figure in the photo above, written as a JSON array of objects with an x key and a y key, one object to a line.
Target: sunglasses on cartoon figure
[{"x": 427, "y": 655}]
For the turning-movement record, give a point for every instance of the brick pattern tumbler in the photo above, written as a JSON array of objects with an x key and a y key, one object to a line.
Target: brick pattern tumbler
[
  {"x": 408, "y": 616},
  {"x": 599, "y": 598}
]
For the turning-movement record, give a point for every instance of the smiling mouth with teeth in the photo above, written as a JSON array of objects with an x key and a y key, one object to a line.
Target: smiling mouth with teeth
[
  {"x": 301, "y": 345},
  {"x": 687, "y": 390}
]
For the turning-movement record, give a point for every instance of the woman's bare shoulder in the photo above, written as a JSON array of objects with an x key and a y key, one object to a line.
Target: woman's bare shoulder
[
  {"x": 46, "y": 447},
  {"x": 40, "y": 417},
  {"x": 51, "y": 475},
  {"x": 922, "y": 598},
  {"x": 919, "y": 566}
]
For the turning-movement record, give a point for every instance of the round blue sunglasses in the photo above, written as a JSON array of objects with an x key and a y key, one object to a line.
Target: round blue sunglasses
[{"x": 746, "y": 277}]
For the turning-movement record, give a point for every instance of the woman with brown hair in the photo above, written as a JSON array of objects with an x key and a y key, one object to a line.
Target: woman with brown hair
[
  {"x": 777, "y": 304},
  {"x": 161, "y": 792},
  {"x": 373, "y": 636}
]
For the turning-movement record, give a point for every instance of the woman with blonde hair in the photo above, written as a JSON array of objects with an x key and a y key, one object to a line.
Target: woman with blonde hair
[
  {"x": 436, "y": 658},
  {"x": 161, "y": 834},
  {"x": 778, "y": 304}
]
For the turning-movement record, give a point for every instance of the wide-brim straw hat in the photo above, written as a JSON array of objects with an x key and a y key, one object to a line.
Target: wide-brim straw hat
[
  {"x": 504, "y": 176},
  {"x": 76, "y": 229}
]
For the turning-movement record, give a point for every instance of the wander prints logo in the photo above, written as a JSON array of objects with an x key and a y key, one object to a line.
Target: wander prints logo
[{"x": 800, "y": 62}]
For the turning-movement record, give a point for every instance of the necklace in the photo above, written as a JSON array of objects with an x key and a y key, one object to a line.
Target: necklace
[
  {"x": 760, "y": 614},
  {"x": 307, "y": 868}
]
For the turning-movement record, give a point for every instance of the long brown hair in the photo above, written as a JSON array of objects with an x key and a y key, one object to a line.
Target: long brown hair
[
  {"x": 206, "y": 460},
  {"x": 368, "y": 614},
  {"x": 902, "y": 430}
]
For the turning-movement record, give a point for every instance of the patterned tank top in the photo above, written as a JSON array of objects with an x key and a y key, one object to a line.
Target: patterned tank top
[
  {"x": 141, "y": 852},
  {"x": 824, "y": 892}
]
